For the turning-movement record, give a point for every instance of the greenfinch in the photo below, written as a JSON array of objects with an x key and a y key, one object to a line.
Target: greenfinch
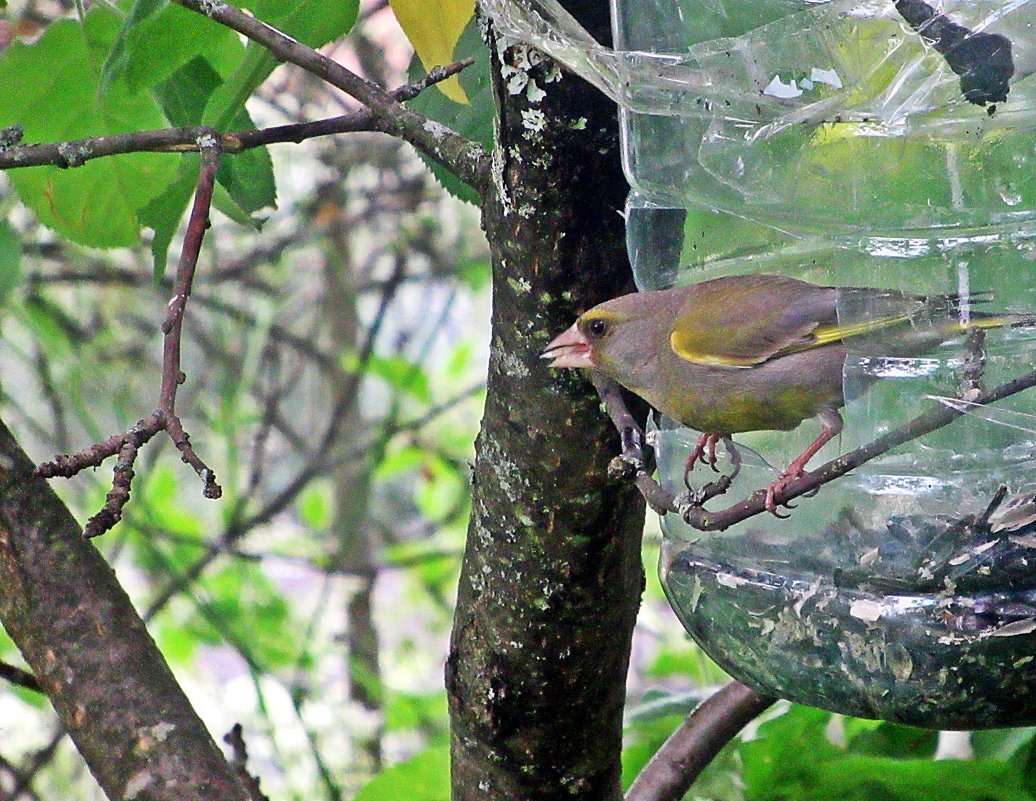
[{"x": 755, "y": 352}]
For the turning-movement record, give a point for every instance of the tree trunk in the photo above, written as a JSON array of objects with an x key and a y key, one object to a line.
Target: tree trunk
[{"x": 552, "y": 574}]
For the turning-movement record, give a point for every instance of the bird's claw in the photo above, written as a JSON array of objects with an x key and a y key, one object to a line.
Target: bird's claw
[
  {"x": 704, "y": 451},
  {"x": 776, "y": 489}
]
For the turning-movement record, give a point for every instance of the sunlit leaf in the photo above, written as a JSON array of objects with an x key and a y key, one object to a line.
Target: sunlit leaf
[
  {"x": 474, "y": 120},
  {"x": 434, "y": 28}
]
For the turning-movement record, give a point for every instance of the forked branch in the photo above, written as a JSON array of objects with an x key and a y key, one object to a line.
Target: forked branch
[{"x": 164, "y": 418}]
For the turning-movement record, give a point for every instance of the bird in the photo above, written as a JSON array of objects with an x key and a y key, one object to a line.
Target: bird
[{"x": 757, "y": 352}]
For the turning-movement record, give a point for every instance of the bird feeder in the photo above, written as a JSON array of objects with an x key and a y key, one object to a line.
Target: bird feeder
[{"x": 889, "y": 145}]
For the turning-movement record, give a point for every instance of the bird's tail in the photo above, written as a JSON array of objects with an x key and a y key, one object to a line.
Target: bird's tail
[{"x": 987, "y": 321}]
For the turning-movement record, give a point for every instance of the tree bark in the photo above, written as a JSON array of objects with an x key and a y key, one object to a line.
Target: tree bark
[
  {"x": 552, "y": 574},
  {"x": 76, "y": 627}
]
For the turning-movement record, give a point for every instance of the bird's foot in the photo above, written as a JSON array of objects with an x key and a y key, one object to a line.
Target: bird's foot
[
  {"x": 776, "y": 491},
  {"x": 831, "y": 427},
  {"x": 705, "y": 451}
]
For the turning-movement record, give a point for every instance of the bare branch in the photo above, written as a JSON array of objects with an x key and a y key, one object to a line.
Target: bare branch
[
  {"x": 78, "y": 152},
  {"x": 695, "y": 743},
  {"x": 236, "y": 740},
  {"x": 19, "y": 677},
  {"x": 164, "y": 418},
  {"x": 172, "y": 328},
  {"x": 468, "y": 160}
]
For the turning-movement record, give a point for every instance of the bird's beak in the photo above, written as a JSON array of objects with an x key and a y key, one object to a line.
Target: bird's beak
[{"x": 570, "y": 349}]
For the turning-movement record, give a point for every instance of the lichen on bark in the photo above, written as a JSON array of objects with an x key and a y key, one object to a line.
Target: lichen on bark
[{"x": 552, "y": 574}]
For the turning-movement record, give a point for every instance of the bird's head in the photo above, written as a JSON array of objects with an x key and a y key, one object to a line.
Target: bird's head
[
  {"x": 575, "y": 346},
  {"x": 616, "y": 337}
]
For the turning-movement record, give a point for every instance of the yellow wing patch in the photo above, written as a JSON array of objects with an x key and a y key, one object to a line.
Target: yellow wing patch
[
  {"x": 676, "y": 342},
  {"x": 819, "y": 337},
  {"x": 826, "y": 334}
]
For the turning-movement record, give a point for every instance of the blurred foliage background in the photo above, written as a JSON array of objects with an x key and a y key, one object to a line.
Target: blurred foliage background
[{"x": 335, "y": 364}]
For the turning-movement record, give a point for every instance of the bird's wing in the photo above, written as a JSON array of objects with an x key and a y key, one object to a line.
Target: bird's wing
[{"x": 742, "y": 321}]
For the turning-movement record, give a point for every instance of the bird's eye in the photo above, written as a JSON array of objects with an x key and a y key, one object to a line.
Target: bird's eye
[{"x": 597, "y": 328}]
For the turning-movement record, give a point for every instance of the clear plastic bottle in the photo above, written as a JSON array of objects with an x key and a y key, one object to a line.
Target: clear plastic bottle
[
  {"x": 884, "y": 144},
  {"x": 835, "y": 143}
]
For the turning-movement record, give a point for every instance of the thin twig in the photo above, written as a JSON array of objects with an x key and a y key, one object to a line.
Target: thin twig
[
  {"x": 172, "y": 328},
  {"x": 236, "y": 740},
  {"x": 19, "y": 677},
  {"x": 78, "y": 152},
  {"x": 674, "y": 767},
  {"x": 466, "y": 159},
  {"x": 348, "y": 395},
  {"x": 632, "y": 461},
  {"x": 164, "y": 418}
]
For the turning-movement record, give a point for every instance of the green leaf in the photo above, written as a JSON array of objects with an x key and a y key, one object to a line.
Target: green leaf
[
  {"x": 439, "y": 490},
  {"x": 162, "y": 215},
  {"x": 783, "y": 759},
  {"x": 426, "y": 777},
  {"x": 403, "y": 375},
  {"x": 10, "y": 259},
  {"x": 1025, "y": 759},
  {"x": 476, "y": 273},
  {"x": 688, "y": 661},
  {"x": 474, "y": 120},
  {"x": 247, "y": 178},
  {"x": 45, "y": 328},
  {"x": 185, "y": 92},
  {"x": 316, "y": 505},
  {"x": 459, "y": 363},
  {"x": 439, "y": 548},
  {"x": 312, "y": 22},
  {"x": 412, "y": 711},
  {"x": 145, "y": 54},
  {"x": 247, "y": 611},
  {"x": 865, "y": 778},
  {"x": 1001, "y": 743},
  {"x": 791, "y": 757},
  {"x": 118, "y": 56},
  {"x": 889, "y": 739},
  {"x": 95, "y": 204}
]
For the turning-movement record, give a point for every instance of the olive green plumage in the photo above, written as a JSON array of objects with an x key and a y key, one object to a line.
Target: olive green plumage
[{"x": 754, "y": 352}]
